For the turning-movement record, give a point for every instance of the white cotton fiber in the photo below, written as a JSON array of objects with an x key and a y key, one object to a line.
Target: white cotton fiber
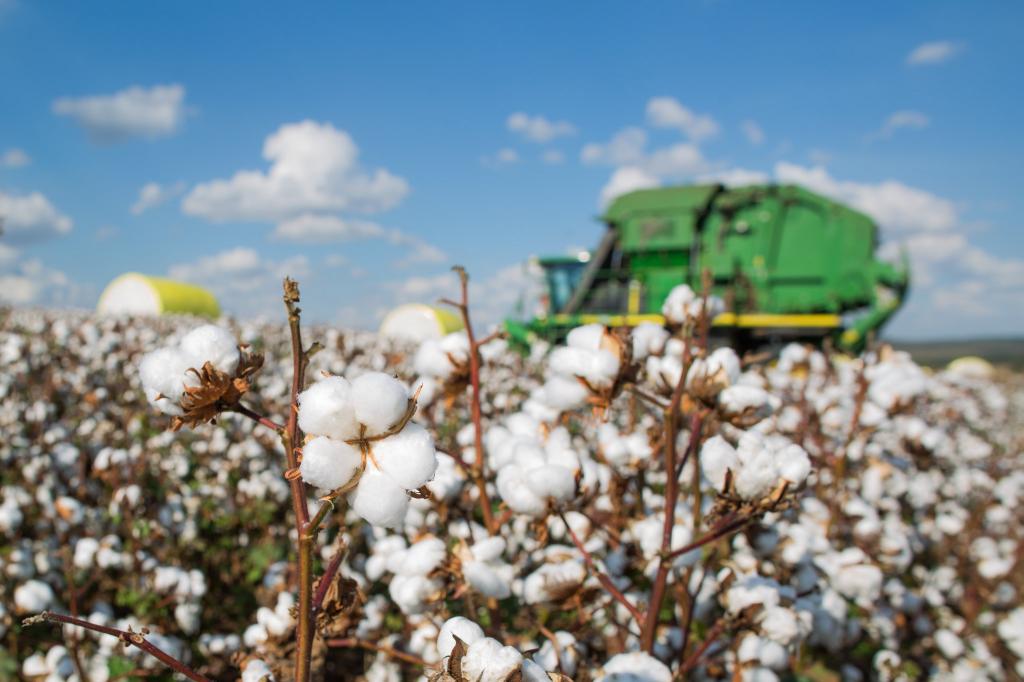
[
  {"x": 563, "y": 393},
  {"x": 408, "y": 457},
  {"x": 635, "y": 666},
  {"x": 515, "y": 492},
  {"x": 588, "y": 337},
  {"x": 463, "y": 628},
  {"x": 33, "y": 596},
  {"x": 327, "y": 463},
  {"x": 213, "y": 344},
  {"x": 164, "y": 372},
  {"x": 326, "y": 409},
  {"x": 551, "y": 480},
  {"x": 648, "y": 338},
  {"x": 379, "y": 500},
  {"x": 716, "y": 457},
  {"x": 380, "y": 401},
  {"x": 489, "y": 661},
  {"x": 793, "y": 463}
]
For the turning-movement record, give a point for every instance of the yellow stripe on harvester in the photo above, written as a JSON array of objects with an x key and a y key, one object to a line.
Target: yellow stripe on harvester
[{"x": 759, "y": 320}]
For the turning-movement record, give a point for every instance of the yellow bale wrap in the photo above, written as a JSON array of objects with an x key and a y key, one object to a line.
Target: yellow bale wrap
[{"x": 135, "y": 293}]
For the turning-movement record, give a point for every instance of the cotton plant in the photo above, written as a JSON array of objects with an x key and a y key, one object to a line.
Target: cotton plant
[{"x": 361, "y": 442}]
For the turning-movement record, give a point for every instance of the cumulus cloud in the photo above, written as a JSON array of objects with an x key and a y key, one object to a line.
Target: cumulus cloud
[
  {"x": 14, "y": 158},
  {"x": 736, "y": 177},
  {"x": 133, "y": 112},
  {"x": 509, "y": 291},
  {"x": 153, "y": 194},
  {"x": 538, "y": 128},
  {"x": 626, "y": 147},
  {"x": 627, "y": 179},
  {"x": 752, "y": 131},
  {"x": 243, "y": 280},
  {"x": 30, "y": 218},
  {"x": 553, "y": 157},
  {"x": 894, "y": 205},
  {"x": 29, "y": 282},
  {"x": 667, "y": 112},
  {"x": 909, "y": 119},
  {"x": 314, "y": 167},
  {"x": 935, "y": 52},
  {"x": 506, "y": 156},
  {"x": 320, "y": 229}
]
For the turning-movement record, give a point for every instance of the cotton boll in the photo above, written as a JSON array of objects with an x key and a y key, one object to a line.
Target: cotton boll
[
  {"x": 763, "y": 651},
  {"x": 187, "y": 617},
  {"x": 463, "y": 628},
  {"x": 716, "y": 457},
  {"x": 634, "y": 667},
  {"x": 648, "y": 338},
  {"x": 380, "y": 401},
  {"x": 85, "y": 551},
  {"x": 488, "y": 661},
  {"x": 588, "y": 337},
  {"x": 757, "y": 476},
  {"x": 951, "y": 646},
  {"x": 488, "y": 549},
  {"x": 676, "y": 307},
  {"x": 412, "y": 593},
  {"x": 513, "y": 488},
  {"x": 420, "y": 559},
  {"x": 563, "y": 393},
  {"x": 328, "y": 464},
  {"x": 379, "y": 500},
  {"x": 33, "y": 596},
  {"x": 255, "y": 670},
  {"x": 432, "y": 361},
  {"x": 552, "y": 481},
  {"x": 164, "y": 374},
  {"x": 408, "y": 457},
  {"x": 553, "y": 582},
  {"x": 779, "y": 624},
  {"x": 326, "y": 409},
  {"x": 531, "y": 672},
  {"x": 486, "y": 580},
  {"x": 744, "y": 405},
  {"x": 793, "y": 464},
  {"x": 213, "y": 344}
]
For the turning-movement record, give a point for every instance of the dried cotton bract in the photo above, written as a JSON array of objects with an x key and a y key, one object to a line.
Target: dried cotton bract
[{"x": 361, "y": 442}]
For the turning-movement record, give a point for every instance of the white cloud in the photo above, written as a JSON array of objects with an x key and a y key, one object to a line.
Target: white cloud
[
  {"x": 29, "y": 282},
  {"x": 553, "y": 157},
  {"x": 153, "y": 194},
  {"x": 133, "y": 112},
  {"x": 492, "y": 297},
  {"x": 909, "y": 119},
  {"x": 310, "y": 228},
  {"x": 538, "y": 128},
  {"x": 244, "y": 281},
  {"x": 894, "y": 205},
  {"x": 626, "y": 147},
  {"x": 30, "y": 217},
  {"x": 320, "y": 229},
  {"x": 736, "y": 177},
  {"x": 14, "y": 158},
  {"x": 314, "y": 167},
  {"x": 935, "y": 52},
  {"x": 627, "y": 179},
  {"x": 676, "y": 162},
  {"x": 752, "y": 131},
  {"x": 506, "y": 156},
  {"x": 667, "y": 112}
]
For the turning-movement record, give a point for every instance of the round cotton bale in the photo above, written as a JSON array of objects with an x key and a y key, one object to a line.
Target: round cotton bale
[
  {"x": 416, "y": 322},
  {"x": 136, "y": 294}
]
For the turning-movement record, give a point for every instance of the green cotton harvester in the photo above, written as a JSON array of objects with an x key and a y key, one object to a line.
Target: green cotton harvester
[{"x": 789, "y": 264}]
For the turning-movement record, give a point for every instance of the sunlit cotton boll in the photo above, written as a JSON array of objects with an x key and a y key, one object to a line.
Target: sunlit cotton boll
[
  {"x": 487, "y": 660},
  {"x": 213, "y": 344},
  {"x": 648, "y": 338},
  {"x": 380, "y": 401},
  {"x": 463, "y": 628},
  {"x": 408, "y": 458},
  {"x": 164, "y": 374},
  {"x": 635, "y": 667},
  {"x": 256, "y": 670},
  {"x": 683, "y": 305},
  {"x": 379, "y": 500},
  {"x": 327, "y": 409},
  {"x": 328, "y": 464},
  {"x": 33, "y": 596}
]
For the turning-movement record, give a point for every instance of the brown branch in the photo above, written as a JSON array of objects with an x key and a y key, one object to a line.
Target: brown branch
[
  {"x": 474, "y": 379},
  {"x": 355, "y": 643},
  {"x": 603, "y": 578},
  {"x": 136, "y": 639},
  {"x": 650, "y": 623},
  {"x": 713, "y": 634},
  {"x": 241, "y": 409},
  {"x": 726, "y": 527},
  {"x": 327, "y": 578}
]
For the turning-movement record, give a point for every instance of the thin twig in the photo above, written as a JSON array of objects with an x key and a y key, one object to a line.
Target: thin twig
[
  {"x": 328, "y": 578},
  {"x": 605, "y": 581},
  {"x": 257, "y": 417},
  {"x": 474, "y": 379},
  {"x": 136, "y": 639},
  {"x": 726, "y": 527}
]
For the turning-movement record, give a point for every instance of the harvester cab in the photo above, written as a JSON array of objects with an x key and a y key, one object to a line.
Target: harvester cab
[{"x": 789, "y": 264}]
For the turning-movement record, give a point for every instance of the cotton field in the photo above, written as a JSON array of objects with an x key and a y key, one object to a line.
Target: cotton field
[{"x": 282, "y": 502}]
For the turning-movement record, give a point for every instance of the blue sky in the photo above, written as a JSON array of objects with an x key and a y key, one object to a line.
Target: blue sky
[{"x": 395, "y": 153}]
